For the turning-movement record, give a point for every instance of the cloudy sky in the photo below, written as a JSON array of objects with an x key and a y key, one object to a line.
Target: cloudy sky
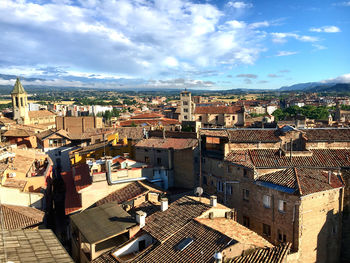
[{"x": 175, "y": 43}]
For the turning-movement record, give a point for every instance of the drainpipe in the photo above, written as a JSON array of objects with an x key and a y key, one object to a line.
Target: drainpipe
[{"x": 109, "y": 178}]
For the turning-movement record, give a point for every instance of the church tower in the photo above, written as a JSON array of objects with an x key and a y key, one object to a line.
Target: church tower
[{"x": 19, "y": 103}]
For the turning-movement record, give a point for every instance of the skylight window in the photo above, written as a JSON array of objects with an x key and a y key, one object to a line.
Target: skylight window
[{"x": 184, "y": 243}]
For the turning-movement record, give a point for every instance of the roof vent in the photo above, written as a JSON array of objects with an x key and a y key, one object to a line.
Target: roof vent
[
  {"x": 163, "y": 204},
  {"x": 213, "y": 201},
  {"x": 218, "y": 257}
]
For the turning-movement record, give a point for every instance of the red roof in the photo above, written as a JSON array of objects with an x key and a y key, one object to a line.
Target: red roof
[
  {"x": 73, "y": 199},
  {"x": 150, "y": 122},
  {"x": 82, "y": 178},
  {"x": 148, "y": 116},
  {"x": 304, "y": 180},
  {"x": 176, "y": 143},
  {"x": 217, "y": 110}
]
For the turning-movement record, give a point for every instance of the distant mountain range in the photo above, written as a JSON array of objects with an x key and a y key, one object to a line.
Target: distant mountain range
[{"x": 318, "y": 87}]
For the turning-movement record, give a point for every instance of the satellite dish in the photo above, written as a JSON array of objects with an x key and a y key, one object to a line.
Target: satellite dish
[{"x": 198, "y": 191}]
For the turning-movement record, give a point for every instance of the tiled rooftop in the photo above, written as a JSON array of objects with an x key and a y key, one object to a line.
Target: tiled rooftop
[
  {"x": 269, "y": 158},
  {"x": 276, "y": 254},
  {"x": 150, "y": 122},
  {"x": 303, "y": 180},
  {"x": 124, "y": 194},
  {"x": 20, "y": 217},
  {"x": 39, "y": 246},
  {"x": 235, "y": 231},
  {"x": 161, "y": 225},
  {"x": 327, "y": 135},
  {"x": 217, "y": 110},
  {"x": 253, "y": 135},
  {"x": 205, "y": 242},
  {"x": 72, "y": 198},
  {"x": 176, "y": 143}
]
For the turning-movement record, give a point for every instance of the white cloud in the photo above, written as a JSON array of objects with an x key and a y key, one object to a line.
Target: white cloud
[
  {"x": 259, "y": 24},
  {"x": 319, "y": 47},
  {"x": 347, "y": 3},
  {"x": 282, "y": 37},
  {"x": 285, "y": 53},
  {"x": 126, "y": 37},
  {"x": 340, "y": 79},
  {"x": 325, "y": 29},
  {"x": 239, "y": 5}
]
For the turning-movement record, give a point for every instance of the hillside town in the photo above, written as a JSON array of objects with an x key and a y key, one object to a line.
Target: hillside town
[{"x": 192, "y": 179}]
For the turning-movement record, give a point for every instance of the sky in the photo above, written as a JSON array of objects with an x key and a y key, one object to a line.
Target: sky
[{"x": 262, "y": 44}]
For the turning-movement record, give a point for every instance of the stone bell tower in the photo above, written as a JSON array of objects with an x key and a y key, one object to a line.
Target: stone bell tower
[{"x": 19, "y": 103}]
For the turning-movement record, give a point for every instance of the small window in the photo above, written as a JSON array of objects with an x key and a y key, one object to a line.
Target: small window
[
  {"x": 229, "y": 169},
  {"x": 246, "y": 221},
  {"x": 229, "y": 189},
  {"x": 267, "y": 201},
  {"x": 281, "y": 236},
  {"x": 245, "y": 195},
  {"x": 216, "y": 118},
  {"x": 233, "y": 118},
  {"x": 185, "y": 110},
  {"x": 282, "y": 206},
  {"x": 159, "y": 161},
  {"x": 185, "y": 117},
  {"x": 146, "y": 150},
  {"x": 185, "y": 103},
  {"x": 266, "y": 230},
  {"x": 146, "y": 159},
  {"x": 245, "y": 173},
  {"x": 219, "y": 186},
  {"x": 158, "y": 151},
  {"x": 184, "y": 243},
  {"x": 200, "y": 118}
]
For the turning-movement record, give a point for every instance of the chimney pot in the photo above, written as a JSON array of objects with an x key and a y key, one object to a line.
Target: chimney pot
[
  {"x": 213, "y": 201},
  {"x": 141, "y": 218},
  {"x": 329, "y": 177},
  {"x": 163, "y": 204}
]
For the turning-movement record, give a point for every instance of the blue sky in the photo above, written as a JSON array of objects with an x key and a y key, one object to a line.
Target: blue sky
[{"x": 175, "y": 44}]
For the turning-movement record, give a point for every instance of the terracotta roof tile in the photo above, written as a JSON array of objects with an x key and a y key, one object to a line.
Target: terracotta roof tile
[
  {"x": 176, "y": 143},
  {"x": 253, "y": 135},
  {"x": 148, "y": 116},
  {"x": 276, "y": 254},
  {"x": 205, "y": 242},
  {"x": 303, "y": 180},
  {"x": 269, "y": 158},
  {"x": 150, "y": 122},
  {"x": 82, "y": 177},
  {"x": 162, "y": 225},
  {"x": 124, "y": 194},
  {"x": 19, "y": 133},
  {"x": 327, "y": 135},
  {"x": 217, "y": 110},
  {"x": 20, "y": 217},
  {"x": 39, "y": 245},
  {"x": 72, "y": 198},
  {"x": 235, "y": 231}
]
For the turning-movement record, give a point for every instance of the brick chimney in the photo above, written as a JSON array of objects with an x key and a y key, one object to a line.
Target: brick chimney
[
  {"x": 163, "y": 204},
  {"x": 213, "y": 201}
]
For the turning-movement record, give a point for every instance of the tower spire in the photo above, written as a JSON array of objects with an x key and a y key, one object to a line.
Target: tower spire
[{"x": 18, "y": 88}]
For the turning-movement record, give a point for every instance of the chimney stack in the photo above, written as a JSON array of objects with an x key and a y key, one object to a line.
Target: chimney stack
[
  {"x": 213, "y": 201},
  {"x": 329, "y": 177},
  {"x": 141, "y": 218},
  {"x": 163, "y": 204}
]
